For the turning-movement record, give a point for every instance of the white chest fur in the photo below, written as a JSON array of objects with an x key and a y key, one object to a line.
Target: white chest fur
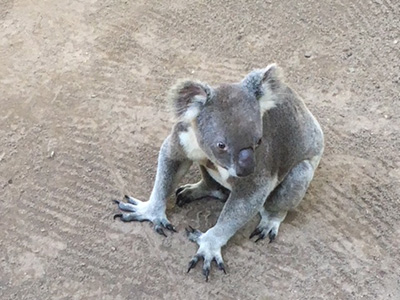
[
  {"x": 191, "y": 146},
  {"x": 193, "y": 151},
  {"x": 221, "y": 176}
]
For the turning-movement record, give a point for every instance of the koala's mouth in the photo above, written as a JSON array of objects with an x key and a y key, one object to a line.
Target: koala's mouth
[
  {"x": 232, "y": 170},
  {"x": 215, "y": 166}
]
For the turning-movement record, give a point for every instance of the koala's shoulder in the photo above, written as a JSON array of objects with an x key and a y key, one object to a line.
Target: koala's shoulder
[{"x": 187, "y": 139}]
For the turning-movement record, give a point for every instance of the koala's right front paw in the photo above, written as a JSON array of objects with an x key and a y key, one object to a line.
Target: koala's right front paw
[
  {"x": 209, "y": 250},
  {"x": 142, "y": 211}
]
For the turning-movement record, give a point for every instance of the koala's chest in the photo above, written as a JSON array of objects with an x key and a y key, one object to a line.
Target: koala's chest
[{"x": 218, "y": 173}]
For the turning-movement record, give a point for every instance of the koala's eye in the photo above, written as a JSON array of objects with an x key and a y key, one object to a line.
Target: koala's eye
[
  {"x": 258, "y": 142},
  {"x": 221, "y": 145}
]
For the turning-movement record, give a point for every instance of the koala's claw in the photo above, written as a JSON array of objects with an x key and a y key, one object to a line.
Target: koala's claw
[
  {"x": 170, "y": 227},
  {"x": 193, "y": 262},
  {"x": 131, "y": 200},
  {"x": 206, "y": 272},
  {"x": 269, "y": 225},
  {"x": 205, "y": 252},
  {"x": 159, "y": 230},
  {"x": 117, "y": 216},
  {"x": 124, "y": 217},
  {"x": 179, "y": 190},
  {"x": 180, "y": 200},
  {"x": 193, "y": 234},
  {"x": 182, "y": 196},
  {"x": 262, "y": 233},
  {"x": 260, "y": 237},
  {"x": 207, "y": 265},
  {"x": 221, "y": 266},
  {"x": 126, "y": 206},
  {"x": 272, "y": 236},
  {"x": 138, "y": 211},
  {"x": 256, "y": 231}
]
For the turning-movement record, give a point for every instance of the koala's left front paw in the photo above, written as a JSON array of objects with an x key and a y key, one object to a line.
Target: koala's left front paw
[
  {"x": 143, "y": 211},
  {"x": 209, "y": 251}
]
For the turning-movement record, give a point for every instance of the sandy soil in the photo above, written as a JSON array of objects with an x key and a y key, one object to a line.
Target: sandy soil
[{"x": 83, "y": 113}]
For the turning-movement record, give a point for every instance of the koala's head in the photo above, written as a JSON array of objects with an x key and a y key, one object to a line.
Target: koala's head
[{"x": 227, "y": 119}]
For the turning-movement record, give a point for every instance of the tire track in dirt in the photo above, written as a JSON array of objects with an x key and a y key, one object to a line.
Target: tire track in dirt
[
  {"x": 323, "y": 211},
  {"x": 123, "y": 158},
  {"x": 217, "y": 72},
  {"x": 311, "y": 270},
  {"x": 162, "y": 19},
  {"x": 379, "y": 213},
  {"x": 393, "y": 8},
  {"x": 336, "y": 209},
  {"x": 98, "y": 263},
  {"x": 375, "y": 231},
  {"x": 65, "y": 248},
  {"x": 52, "y": 214},
  {"x": 166, "y": 21},
  {"x": 91, "y": 255},
  {"x": 110, "y": 121},
  {"x": 358, "y": 13},
  {"x": 356, "y": 208},
  {"x": 55, "y": 207},
  {"x": 89, "y": 182},
  {"x": 63, "y": 223},
  {"x": 278, "y": 261},
  {"x": 332, "y": 18},
  {"x": 357, "y": 21}
]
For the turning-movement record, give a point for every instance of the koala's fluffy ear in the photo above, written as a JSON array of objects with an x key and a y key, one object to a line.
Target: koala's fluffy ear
[
  {"x": 263, "y": 83},
  {"x": 187, "y": 98}
]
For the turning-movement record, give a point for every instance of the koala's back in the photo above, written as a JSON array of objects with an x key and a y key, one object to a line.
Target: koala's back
[{"x": 291, "y": 133}]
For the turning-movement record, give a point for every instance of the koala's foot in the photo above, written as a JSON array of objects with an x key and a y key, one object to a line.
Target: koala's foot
[
  {"x": 269, "y": 225},
  {"x": 191, "y": 192},
  {"x": 142, "y": 211},
  {"x": 209, "y": 250}
]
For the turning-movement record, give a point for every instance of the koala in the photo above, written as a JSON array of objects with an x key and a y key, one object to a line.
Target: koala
[{"x": 257, "y": 146}]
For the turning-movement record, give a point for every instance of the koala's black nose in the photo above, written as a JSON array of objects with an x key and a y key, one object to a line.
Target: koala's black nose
[{"x": 246, "y": 162}]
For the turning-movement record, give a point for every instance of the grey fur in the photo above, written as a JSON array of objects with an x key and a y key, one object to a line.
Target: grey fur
[{"x": 214, "y": 126}]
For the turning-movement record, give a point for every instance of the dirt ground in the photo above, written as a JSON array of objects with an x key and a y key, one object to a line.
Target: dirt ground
[{"x": 83, "y": 114}]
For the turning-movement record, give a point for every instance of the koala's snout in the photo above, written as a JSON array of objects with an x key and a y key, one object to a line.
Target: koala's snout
[{"x": 246, "y": 162}]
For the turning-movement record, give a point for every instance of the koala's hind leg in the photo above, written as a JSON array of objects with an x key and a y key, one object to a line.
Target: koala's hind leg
[
  {"x": 206, "y": 187},
  {"x": 286, "y": 196}
]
